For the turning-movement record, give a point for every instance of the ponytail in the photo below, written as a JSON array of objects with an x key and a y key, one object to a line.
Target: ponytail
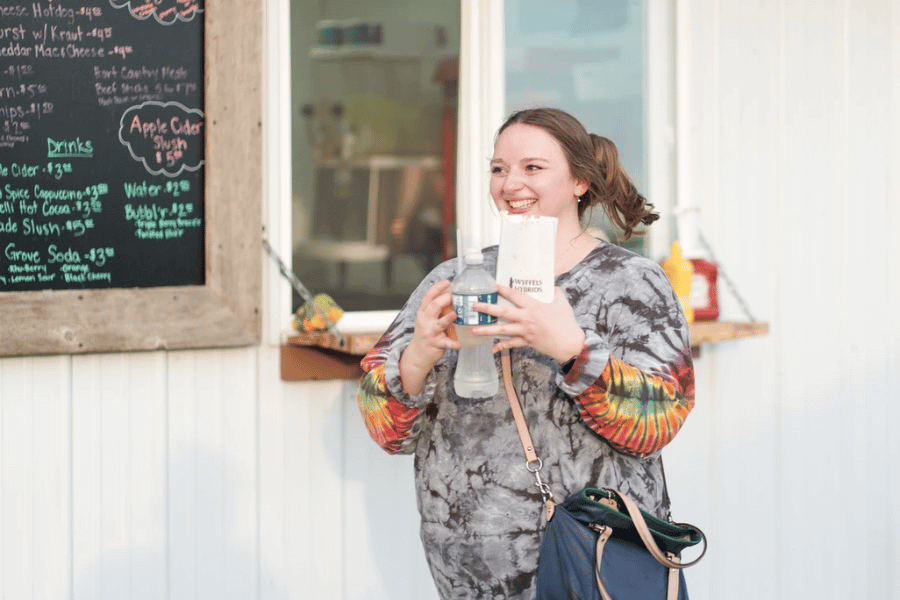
[{"x": 626, "y": 208}]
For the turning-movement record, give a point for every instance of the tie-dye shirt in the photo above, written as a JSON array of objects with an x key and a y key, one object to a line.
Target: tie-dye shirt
[{"x": 602, "y": 424}]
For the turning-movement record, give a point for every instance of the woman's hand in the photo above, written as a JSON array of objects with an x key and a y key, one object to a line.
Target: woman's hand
[
  {"x": 431, "y": 337},
  {"x": 550, "y": 329}
]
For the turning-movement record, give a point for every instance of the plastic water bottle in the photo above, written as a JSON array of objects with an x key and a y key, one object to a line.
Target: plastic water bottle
[{"x": 476, "y": 375}]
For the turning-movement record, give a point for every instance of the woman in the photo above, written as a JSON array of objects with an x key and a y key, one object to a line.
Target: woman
[{"x": 604, "y": 372}]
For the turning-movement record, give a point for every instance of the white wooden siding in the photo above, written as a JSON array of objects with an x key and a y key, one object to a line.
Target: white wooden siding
[
  {"x": 199, "y": 474},
  {"x": 788, "y": 142}
]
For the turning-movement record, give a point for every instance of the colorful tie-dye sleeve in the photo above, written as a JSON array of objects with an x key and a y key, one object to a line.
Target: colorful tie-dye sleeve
[
  {"x": 633, "y": 384},
  {"x": 388, "y": 420},
  {"x": 638, "y": 412},
  {"x": 392, "y": 416}
]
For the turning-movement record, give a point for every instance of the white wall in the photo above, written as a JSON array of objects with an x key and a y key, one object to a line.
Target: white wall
[
  {"x": 788, "y": 137},
  {"x": 199, "y": 474},
  {"x": 196, "y": 474}
]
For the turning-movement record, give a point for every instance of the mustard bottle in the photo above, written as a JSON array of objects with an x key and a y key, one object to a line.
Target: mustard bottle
[{"x": 680, "y": 271}]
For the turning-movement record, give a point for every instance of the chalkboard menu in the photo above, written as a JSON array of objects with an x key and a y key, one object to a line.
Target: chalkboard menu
[
  {"x": 132, "y": 174},
  {"x": 102, "y": 134}
]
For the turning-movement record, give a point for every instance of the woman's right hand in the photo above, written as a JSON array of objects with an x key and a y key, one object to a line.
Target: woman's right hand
[{"x": 431, "y": 337}]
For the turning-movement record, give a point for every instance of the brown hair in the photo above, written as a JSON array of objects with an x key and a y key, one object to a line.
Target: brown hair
[{"x": 594, "y": 161}]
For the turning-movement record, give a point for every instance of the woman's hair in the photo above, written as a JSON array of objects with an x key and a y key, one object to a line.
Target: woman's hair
[{"x": 594, "y": 161}]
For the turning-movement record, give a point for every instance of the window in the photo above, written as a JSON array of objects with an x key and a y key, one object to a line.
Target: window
[
  {"x": 591, "y": 59},
  {"x": 373, "y": 112}
]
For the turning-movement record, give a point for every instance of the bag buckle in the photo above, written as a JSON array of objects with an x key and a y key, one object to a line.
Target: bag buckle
[
  {"x": 535, "y": 467},
  {"x": 599, "y": 528}
]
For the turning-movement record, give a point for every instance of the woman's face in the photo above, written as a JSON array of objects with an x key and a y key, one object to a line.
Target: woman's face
[{"x": 530, "y": 175}]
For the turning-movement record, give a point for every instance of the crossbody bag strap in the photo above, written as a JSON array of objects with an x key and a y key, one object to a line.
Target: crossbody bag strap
[
  {"x": 533, "y": 462},
  {"x": 524, "y": 435}
]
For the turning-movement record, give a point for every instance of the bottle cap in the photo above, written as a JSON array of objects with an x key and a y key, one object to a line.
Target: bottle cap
[{"x": 474, "y": 256}]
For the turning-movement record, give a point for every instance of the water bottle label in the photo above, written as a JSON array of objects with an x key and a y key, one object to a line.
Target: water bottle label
[{"x": 462, "y": 304}]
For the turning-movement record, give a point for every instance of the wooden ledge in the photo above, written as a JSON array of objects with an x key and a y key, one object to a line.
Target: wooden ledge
[
  {"x": 356, "y": 344},
  {"x": 713, "y": 332},
  {"x": 319, "y": 355}
]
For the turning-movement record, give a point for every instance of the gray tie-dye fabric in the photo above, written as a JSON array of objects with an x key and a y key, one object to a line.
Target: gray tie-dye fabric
[{"x": 481, "y": 510}]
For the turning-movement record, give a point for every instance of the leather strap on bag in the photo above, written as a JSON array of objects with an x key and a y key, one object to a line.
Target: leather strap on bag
[
  {"x": 603, "y": 535},
  {"x": 521, "y": 425},
  {"x": 644, "y": 531},
  {"x": 673, "y": 579},
  {"x": 533, "y": 462}
]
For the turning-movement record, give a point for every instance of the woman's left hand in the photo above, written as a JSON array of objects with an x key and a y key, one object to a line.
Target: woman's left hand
[{"x": 550, "y": 329}]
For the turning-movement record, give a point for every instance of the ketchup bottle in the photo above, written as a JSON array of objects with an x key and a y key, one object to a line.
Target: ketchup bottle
[{"x": 704, "y": 290}]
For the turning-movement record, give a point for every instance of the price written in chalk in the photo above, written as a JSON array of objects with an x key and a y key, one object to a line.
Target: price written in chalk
[
  {"x": 18, "y": 71},
  {"x": 91, "y": 12},
  {"x": 79, "y": 227},
  {"x": 88, "y": 207},
  {"x": 176, "y": 188},
  {"x": 98, "y": 256},
  {"x": 122, "y": 51},
  {"x": 171, "y": 157},
  {"x": 14, "y": 127},
  {"x": 101, "y": 33},
  {"x": 57, "y": 170}
]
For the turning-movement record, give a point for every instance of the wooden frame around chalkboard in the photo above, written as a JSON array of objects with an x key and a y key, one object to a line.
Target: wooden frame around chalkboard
[{"x": 225, "y": 311}]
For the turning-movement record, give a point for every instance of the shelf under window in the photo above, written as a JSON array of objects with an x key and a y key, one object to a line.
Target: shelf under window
[{"x": 319, "y": 355}]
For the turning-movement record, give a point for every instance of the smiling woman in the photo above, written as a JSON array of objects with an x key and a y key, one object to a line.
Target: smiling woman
[{"x": 609, "y": 354}]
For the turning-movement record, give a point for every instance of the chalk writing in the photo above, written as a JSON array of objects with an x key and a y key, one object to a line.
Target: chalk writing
[
  {"x": 155, "y": 222},
  {"x": 124, "y": 85},
  {"x": 69, "y": 148},
  {"x": 165, "y": 11},
  {"x": 166, "y": 138},
  {"x": 18, "y": 72},
  {"x": 49, "y": 10},
  {"x": 102, "y": 135}
]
